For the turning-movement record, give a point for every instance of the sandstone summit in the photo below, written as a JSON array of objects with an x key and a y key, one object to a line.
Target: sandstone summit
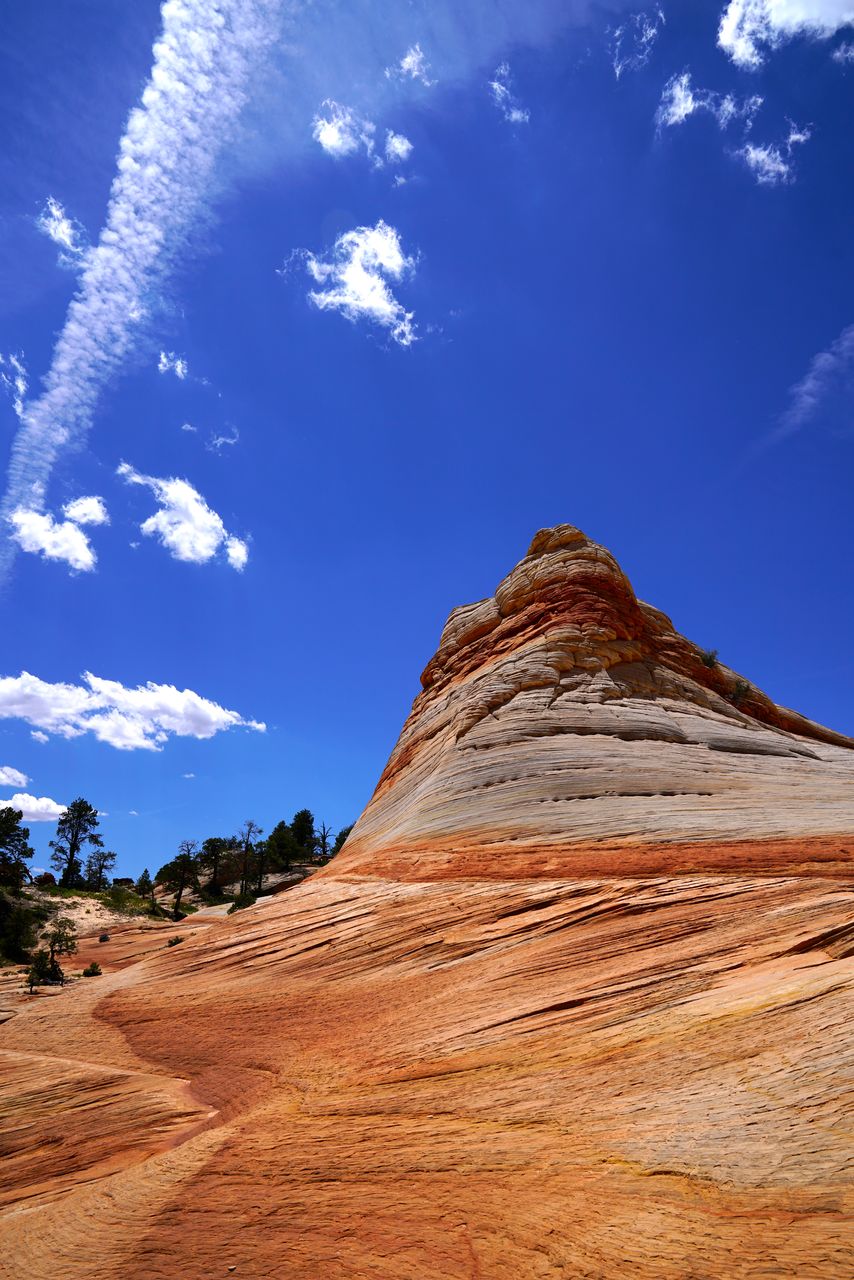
[{"x": 574, "y": 1000}]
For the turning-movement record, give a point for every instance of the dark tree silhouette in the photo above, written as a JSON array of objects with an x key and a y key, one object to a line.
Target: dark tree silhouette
[
  {"x": 98, "y": 866},
  {"x": 180, "y": 874},
  {"x": 282, "y": 848},
  {"x": 14, "y": 849},
  {"x": 246, "y": 839},
  {"x": 76, "y": 828},
  {"x": 304, "y": 834}
]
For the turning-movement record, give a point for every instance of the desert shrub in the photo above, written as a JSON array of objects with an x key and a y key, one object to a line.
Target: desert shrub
[
  {"x": 709, "y": 658},
  {"x": 740, "y": 691},
  {"x": 92, "y": 970},
  {"x": 103, "y": 937},
  {"x": 240, "y": 902},
  {"x": 173, "y": 942}
]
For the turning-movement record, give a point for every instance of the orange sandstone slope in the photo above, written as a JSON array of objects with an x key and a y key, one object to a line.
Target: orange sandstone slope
[{"x": 574, "y": 1001}]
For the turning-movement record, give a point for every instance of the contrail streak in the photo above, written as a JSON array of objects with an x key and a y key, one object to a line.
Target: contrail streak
[{"x": 200, "y": 77}]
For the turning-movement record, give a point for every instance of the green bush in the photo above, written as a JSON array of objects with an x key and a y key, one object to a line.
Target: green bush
[
  {"x": 104, "y": 937},
  {"x": 740, "y": 691},
  {"x": 242, "y": 901},
  {"x": 43, "y": 970},
  {"x": 709, "y": 658},
  {"x": 92, "y": 970},
  {"x": 173, "y": 942},
  {"x": 20, "y": 920}
]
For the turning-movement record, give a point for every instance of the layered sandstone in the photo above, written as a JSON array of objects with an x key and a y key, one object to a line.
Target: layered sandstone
[{"x": 574, "y": 1001}]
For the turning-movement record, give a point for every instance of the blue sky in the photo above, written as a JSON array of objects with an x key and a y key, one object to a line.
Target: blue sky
[{"x": 569, "y": 263}]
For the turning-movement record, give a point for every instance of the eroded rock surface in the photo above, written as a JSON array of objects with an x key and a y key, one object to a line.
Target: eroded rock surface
[{"x": 574, "y": 1001}]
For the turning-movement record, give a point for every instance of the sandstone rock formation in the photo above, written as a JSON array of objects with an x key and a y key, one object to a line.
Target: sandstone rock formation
[{"x": 574, "y": 1001}]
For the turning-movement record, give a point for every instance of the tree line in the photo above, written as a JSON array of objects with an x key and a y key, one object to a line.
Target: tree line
[
  {"x": 81, "y": 861},
  {"x": 244, "y": 859}
]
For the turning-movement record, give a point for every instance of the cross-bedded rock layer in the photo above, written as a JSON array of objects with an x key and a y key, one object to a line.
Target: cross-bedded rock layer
[
  {"x": 564, "y": 725},
  {"x": 574, "y": 1001}
]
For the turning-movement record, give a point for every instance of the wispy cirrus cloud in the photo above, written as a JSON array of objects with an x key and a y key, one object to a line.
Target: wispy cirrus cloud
[
  {"x": 680, "y": 99},
  {"x": 501, "y": 90},
  {"x": 750, "y": 29},
  {"x": 632, "y": 41},
  {"x": 773, "y": 163},
  {"x": 826, "y": 391},
  {"x": 354, "y": 279},
  {"x": 185, "y": 525},
  {"x": 66, "y": 232},
  {"x": 203, "y": 61},
  {"x": 412, "y": 66},
  {"x": 340, "y": 131},
  {"x": 14, "y": 380},
  {"x": 126, "y": 718},
  {"x": 397, "y": 147},
  {"x": 168, "y": 362}
]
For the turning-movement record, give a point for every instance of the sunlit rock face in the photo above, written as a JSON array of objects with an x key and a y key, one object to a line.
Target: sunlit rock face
[
  {"x": 564, "y": 726},
  {"x": 575, "y": 1000}
]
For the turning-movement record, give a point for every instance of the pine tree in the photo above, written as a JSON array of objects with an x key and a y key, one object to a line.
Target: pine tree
[
  {"x": 180, "y": 874},
  {"x": 98, "y": 866},
  {"x": 75, "y": 829},
  {"x": 144, "y": 887},
  {"x": 302, "y": 827},
  {"x": 14, "y": 849},
  {"x": 282, "y": 848}
]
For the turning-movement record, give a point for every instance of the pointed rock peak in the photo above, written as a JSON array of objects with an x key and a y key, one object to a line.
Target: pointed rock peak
[{"x": 563, "y": 710}]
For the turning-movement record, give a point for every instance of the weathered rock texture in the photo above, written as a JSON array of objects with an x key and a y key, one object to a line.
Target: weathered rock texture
[{"x": 574, "y": 1001}]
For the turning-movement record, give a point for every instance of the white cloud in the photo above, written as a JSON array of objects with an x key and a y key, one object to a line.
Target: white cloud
[
  {"x": 185, "y": 525},
  {"x": 355, "y": 279},
  {"x": 218, "y": 443},
  {"x": 772, "y": 165},
  {"x": 237, "y": 553},
  {"x": 341, "y": 132},
  {"x": 90, "y": 510},
  {"x": 187, "y": 426},
  {"x": 40, "y": 534},
  {"x": 827, "y": 388},
  {"x": 38, "y": 736},
  {"x": 750, "y": 28},
  {"x": 844, "y": 54},
  {"x": 170, "y": 363},
  {"x": 133, "y": 813},
  {"x": 504, "y": 97},
  {"x": 10, "y": 777},
  {"x": 632, "y": 41},
  {"x": 14, "y": 381},
  {"x": 66, "y": 233},
  {"x": 413, "y": 65},
  {"x": 397, "y": 147},
  {"x": 34, "y": 808},
  {"x": 188, "y": 775},
  {"x": 125, "y": 718},
  {"x": 680, "y": 99},
  {"x": 203, "y": 64}
]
